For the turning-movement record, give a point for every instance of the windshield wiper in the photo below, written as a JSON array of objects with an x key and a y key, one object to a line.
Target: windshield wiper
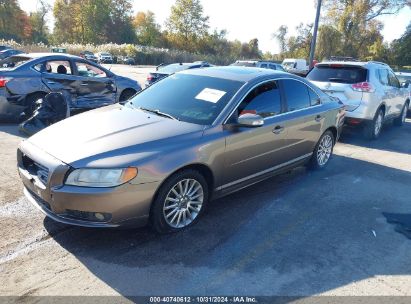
[{"x": 158, "y": 112}]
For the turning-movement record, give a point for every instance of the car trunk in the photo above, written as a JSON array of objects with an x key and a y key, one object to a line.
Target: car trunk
[{"x": 336, "y": 80}]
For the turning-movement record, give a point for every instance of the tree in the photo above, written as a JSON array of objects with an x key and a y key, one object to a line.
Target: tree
[
  {"x": 187, "y": 24},
  {"x": 120, "y": 29},
  {"x": 147, "y": 30},
  {"x": 280, "y": 35},
  {"x": 38, "y": 22},
  {"x": 329, "y": 42},
  {"x": 14, "y": 23},
  {"x": 401, "y": 47}
]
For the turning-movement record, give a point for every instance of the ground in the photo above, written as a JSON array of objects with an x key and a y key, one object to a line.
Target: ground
[{"x": 303, "y": 233}]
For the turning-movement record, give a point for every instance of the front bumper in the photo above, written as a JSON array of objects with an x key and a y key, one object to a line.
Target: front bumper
[{"x": 125, "y": 205}]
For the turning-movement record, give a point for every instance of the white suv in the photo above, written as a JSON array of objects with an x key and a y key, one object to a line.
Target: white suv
[{"x": 370, "y": 90}]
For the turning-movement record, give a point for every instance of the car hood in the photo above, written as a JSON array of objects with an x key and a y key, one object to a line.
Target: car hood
[{"x": 116, "y": 133}]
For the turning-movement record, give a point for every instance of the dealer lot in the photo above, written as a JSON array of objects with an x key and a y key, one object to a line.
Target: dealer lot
[{"x": 303, "y": 233}]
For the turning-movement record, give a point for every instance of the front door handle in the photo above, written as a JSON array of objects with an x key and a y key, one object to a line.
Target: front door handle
[
  {"x": 318, "y": 118},
  {"x": 278, "y": 129},
  {"x": 51, "y": 82},
  {"x": 84, "y": 84}
]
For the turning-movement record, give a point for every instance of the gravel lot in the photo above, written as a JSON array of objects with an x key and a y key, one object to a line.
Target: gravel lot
[{"x": 303, "y": 233}]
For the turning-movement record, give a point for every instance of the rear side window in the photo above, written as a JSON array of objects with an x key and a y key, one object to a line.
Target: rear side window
[
  {"x": 272, "y": 66},
  {"x": 264, "y": 66},
  {"x": 297, "y": 95},
  {"x": 340, "y": 74},
  {"x": 383, "y": 76},
  {"x": 264, "y": 100}
]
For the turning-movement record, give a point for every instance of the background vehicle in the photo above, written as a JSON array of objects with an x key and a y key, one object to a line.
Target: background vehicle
[
  {"x": 7, "y": 53},
  {"x": 295, "y": 66},
  {"x": 166, "y": 70},
  {"x": 59, "y": 50},
  {"x": 215, "y": 131},
  {"x": 4, "y": 47},
  {"x": 259, "y": 64},
  {"x": 104, "y": 57},
  {"x": 27, "y": 77},
  {"x": 370, "y": 91},
  {"x": 89, "y": 56},
  {"x": 126, "y": 60},
  {"x": 405, "y": 81}
]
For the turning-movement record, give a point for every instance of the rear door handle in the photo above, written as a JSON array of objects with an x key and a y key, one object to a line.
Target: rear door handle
[
  {"x": 51, "y": 82},
  {"x": 318, "y": 118},
  {"x": 84, "y": 84},
  {"x": 278, "y": 129}
]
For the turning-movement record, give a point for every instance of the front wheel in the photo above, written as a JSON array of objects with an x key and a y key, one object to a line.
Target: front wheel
[
  {"x": 179, "y": 202},
  {"x": 323, "y": 151},
  {"x": 400, "y": 120}
]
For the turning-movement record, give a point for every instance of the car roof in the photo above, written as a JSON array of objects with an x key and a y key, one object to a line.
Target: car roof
[
  {"x": 39, "y": 55},
  {"x": 236, "y": 73},
  {"x": 353, "y": 63}
]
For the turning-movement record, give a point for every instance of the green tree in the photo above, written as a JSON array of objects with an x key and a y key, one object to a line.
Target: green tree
[
  {"x": 328, "y": 42},
  {"x": 120, "y": 29},
  {"x": 14, "y": 23},
  {"x": 147, "y": 30},
  {"x": 187, "y": 24},
  {"x": 38, "y": 22},
  {"x": 281, "y": 36},
  {"x": 401, "y": 47}
]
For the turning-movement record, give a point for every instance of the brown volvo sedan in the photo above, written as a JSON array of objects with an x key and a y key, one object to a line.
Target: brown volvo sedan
[{"x": 193, "y": 136}]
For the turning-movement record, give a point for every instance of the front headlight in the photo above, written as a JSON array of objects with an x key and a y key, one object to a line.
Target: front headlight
[{"x": 101, "y": 177}]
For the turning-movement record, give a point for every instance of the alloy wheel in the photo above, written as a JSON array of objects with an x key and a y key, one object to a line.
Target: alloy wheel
[
  {"x": 378, "y": 124},
  {"x": 183, "y": 203},
  {"x": 324, "y": 150}
]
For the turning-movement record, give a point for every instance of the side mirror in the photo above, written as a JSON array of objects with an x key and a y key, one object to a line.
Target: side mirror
[
  {"x": 405, "y": 84},
  {"x": 250, "y": 120}
]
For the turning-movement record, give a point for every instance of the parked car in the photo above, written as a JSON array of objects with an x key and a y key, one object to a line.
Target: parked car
[
  {"x": 259, "y": 64},
  {"x": 295, "y": 66},
  {"x": 405, "y": 82},
  {"x": 89, "y": 56},
  {"x": 4, "y": 47},
  {"x": 166, "y": 70},
  {"x": 26, "y": 78},
  {"x": 10, "y": 52},
  {"x": 370, "y": 91},
  {"x": 104, "y": 57},
  {"x": 196, "y": 135},
  {"x": 126, "y": 60}
]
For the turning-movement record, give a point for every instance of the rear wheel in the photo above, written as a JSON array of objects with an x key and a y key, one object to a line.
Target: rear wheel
[
  {"x": 399, "y": 121},
  {"x": 31, "y": 102},
  {"x": 372, "y": 129},
  {"x": 323, "y": 151},
  {"x": 179, "y": 202}
]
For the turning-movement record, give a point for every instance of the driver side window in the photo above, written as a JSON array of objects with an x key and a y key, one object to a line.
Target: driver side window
[{"x": 263, "y": 100}]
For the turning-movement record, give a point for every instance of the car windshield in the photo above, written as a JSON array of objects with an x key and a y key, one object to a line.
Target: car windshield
[
  {"x": 338, "y": 73},
  {"x": 173, "y": 68},
  {"x": 244, "y": 63},
  {"x": 189, "y": 98},
  {"x": 13, "y": 62}
]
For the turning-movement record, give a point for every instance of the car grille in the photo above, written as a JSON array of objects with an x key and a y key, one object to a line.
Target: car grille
[{"x": 36, "y": 169}]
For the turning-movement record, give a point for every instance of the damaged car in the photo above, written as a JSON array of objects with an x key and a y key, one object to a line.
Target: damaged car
[{"x": 25, "y": 78}]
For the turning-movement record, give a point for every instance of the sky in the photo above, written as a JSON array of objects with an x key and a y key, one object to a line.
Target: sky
[{"x": 257, "y": 19}]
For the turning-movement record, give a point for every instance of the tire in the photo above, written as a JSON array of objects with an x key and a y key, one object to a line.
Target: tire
[
  {"x": 372, "y": 129},
  {"x": 323, "y": 151},
  {"x": 166, "y": 219},
  {"x": 399, "y": 121},
  {"x": 126, "y": 95},
  {"x": 31, "y": 102}
]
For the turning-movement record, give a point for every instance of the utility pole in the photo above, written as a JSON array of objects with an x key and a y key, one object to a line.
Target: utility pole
[{"x": 314, "y": 40}]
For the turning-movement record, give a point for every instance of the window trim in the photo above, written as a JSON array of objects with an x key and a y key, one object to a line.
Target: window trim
[{"x": 282, "y": 102}]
